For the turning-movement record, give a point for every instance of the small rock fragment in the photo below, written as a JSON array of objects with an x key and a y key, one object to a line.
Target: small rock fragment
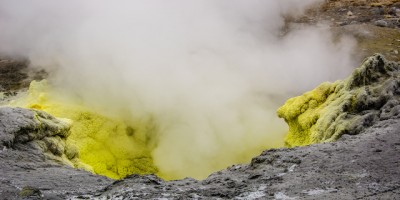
[
  {"x": 381, "y": 23},
  {"x": 378, "y": 150},
  {"x": 349, "y": 13},
  {"x": 394, "y": 11},
  {"x": 29, "y": 191},
  {"x": 378, "y": 11}
]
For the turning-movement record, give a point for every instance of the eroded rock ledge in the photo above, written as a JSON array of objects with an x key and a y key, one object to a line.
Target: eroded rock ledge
[{"x": 36, "y": 128}]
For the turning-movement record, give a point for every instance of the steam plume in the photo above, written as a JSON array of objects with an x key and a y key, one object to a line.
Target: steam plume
[{"x": 208, "y": 75}]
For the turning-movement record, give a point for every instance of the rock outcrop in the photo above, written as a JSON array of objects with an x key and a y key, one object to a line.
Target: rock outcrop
[
  {"x": 369, "y": 95},
  {"x": 36, "y": 128},
  {"x": 35, "y": 162}
]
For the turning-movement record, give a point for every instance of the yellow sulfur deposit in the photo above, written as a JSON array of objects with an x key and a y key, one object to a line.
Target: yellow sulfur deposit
[
  {"x": 301, "y": 113},
  {"x": 344, "y": 107},
  {"x": 321, "y": 115},
  {"x": 96, "y": 143}
]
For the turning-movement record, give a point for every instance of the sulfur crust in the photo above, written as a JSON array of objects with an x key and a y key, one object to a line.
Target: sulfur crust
[
  {"x": 344, "y": 107},
  {"x": 301, "y": 113},
  {"x": 105, "y": 146}
]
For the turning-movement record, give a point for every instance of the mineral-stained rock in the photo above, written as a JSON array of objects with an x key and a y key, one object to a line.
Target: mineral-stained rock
[
  {"x": 34, "y": 158},
  {"x": 19, "y": 126},
  {"x": 369, "y": 95},
  {"x": 104, "y": 145}
]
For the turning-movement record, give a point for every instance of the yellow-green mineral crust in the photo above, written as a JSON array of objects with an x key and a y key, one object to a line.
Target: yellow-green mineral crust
[
  {"x": 344, "y": 107},
  {"x": 96, "y": 143}
]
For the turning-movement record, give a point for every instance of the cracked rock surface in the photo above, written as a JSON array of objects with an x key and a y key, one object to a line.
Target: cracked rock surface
[{"x": 33, "y": 158}]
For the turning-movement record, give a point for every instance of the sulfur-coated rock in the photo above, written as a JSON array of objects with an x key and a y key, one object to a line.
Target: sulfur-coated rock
[
  {"x": 19, "y": 126},
  {"x": 369, "y": 95},
  {"x": 33, "y": 158}
]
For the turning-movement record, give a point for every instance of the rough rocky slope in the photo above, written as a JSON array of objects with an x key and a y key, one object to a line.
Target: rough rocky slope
[
  {"x": 375, "y": 24},
  {"x": 34, "y": 158},
  {"x": 362, "y": 166},
  {"x": 15, "y": 75}
]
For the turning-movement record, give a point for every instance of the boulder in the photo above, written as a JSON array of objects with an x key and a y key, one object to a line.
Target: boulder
[{"x": 20, "y": 126}]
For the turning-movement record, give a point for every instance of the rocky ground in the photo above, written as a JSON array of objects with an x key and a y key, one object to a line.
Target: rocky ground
[
  {"x": 364, "y": 164},
  {"x": 374, "y": 23},
  {"x": 15, "y": 76}
]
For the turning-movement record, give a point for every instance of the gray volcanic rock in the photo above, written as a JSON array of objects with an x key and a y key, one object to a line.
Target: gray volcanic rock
[
  {"x": 33, "y": 160},
  {"x": 18, "y": 125}
]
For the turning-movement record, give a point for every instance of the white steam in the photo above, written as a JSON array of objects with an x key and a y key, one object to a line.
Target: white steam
[{"x": 209, "y": 74}]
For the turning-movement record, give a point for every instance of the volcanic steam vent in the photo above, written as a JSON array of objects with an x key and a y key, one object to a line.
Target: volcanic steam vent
[{"x": 174, "y": 88}]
